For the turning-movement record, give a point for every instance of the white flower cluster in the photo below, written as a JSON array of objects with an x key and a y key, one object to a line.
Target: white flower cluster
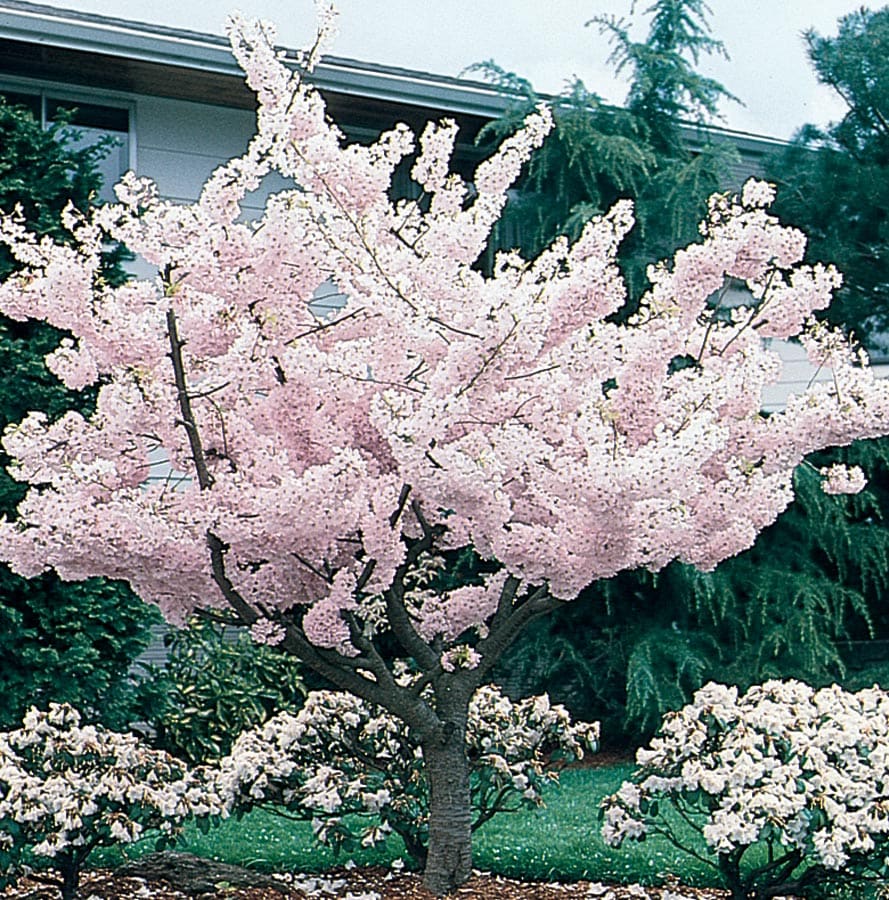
[
  {"x": 66, "y": 788},
  {"x": 802, "y": 772},
  {"x": 517, "y": 743},
  {"x": 339, "y": 757},
  {"x": 460, "y": 657},
  {"x": 336, "y": 756},
  {"x": 842, "y": 479}
]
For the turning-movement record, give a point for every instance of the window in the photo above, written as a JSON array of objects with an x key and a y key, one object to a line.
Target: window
[{"x": 91, "y": 122}]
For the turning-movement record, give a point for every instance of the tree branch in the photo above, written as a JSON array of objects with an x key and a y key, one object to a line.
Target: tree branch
[
  {"x": 402, "y": 626},
  {"x": 246, "y": 613},
  {"x": 504, "y": 604},
  {"x": 217, "y": 548},
  {"x": 399, "y": 619},
  {"x": 205, "y": 479},
  {"x": 508, "y": 623},
  {"x": 488, "y": 359},
  {"x": 365, "y": 647},
  {"x": 399, "y": 509},
  {"x": 344, "y": 672}
]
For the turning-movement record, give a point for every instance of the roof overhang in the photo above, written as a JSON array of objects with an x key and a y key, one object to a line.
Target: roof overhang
[
  {"x": 76, "y": 48},
  {"x": 52, "y": 44}
]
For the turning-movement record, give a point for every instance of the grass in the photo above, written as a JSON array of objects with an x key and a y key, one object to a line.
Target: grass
[
  {"x": 559, "y": 842},
  {"x": 562, "y": 840}
]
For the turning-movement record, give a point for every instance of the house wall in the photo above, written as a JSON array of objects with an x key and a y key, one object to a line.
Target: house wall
[
  {"x": 179, "y": 143},
  {"x": 798, "y": 373}
]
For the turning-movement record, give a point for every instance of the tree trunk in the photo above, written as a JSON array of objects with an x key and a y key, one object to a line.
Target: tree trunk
[
  {"x": 69, "y": 868},
  {"x": 449, "y": 856}
]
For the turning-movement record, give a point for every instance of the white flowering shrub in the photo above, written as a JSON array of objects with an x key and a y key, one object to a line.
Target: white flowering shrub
[
  {"x": 787, "y": 785},
  {"x": 67, "y": 788},
  {"x": 356, "y": 772}
]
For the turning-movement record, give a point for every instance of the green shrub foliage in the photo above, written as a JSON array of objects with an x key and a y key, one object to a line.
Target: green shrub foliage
[{"x": 216, "y": 683}]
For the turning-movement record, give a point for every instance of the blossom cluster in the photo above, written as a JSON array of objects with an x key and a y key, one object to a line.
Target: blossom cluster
[
  {"x": 800, "y": 771},
  {"x": 842, "y": 479},
  {"x": 520, "y": 415},
  {"x": 340, "y": 757},
  {"x": 67, "y": 787}
]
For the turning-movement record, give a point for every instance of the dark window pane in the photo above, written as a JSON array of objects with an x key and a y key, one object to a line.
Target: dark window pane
[
  {"x": 31, "y": 102},
  {"x": 91, "y": 115}
]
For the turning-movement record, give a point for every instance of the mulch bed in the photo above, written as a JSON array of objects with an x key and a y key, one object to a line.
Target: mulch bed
[{"x": 176, "y": 876}]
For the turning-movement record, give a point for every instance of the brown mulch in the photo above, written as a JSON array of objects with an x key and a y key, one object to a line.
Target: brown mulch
[{"x": 345, "y": 883}]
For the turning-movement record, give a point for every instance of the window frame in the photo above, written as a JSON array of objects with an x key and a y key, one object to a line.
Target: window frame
[{"x": 46, "y": 91}]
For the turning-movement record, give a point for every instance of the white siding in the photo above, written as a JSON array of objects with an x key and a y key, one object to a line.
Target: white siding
[
  {"x": 798, "y": 374},
  {"x": 180, "y": 143}
]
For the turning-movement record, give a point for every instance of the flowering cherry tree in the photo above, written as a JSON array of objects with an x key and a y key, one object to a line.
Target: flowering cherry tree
[{"x": 326, "y": 471}]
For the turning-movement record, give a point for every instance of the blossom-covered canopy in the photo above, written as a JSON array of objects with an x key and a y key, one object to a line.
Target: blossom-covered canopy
[{"x": 510, "y": 410}]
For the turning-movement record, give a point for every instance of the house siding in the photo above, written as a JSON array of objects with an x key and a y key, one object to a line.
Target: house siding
[{"x": 179, "y": 143}]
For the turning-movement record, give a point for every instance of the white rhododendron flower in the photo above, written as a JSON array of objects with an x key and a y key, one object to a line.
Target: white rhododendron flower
[
  {"x": 67, "y": 787},
  {"x": 842, "y": 479},
  {"x": 798, "y": 771},
  {"x": 315, "y": 762}
]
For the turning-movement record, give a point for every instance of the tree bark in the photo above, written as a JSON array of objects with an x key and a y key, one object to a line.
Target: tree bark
[
  {"x": 69, "y": 869},
  {"x": 449, "y": 855}
]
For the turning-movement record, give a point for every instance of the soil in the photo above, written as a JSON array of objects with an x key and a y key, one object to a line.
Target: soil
[{"x": 176, "y": 876}]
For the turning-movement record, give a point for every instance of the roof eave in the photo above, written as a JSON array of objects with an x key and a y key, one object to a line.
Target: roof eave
[{"x": 37, "y": 24}]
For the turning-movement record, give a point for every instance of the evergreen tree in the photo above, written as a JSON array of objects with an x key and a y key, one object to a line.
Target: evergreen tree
[
  {"x": 813, "y": 581},
  {"x": 834, "y": 181},
  {"x": 654, "y": 150},
  {"x": 63, "y": 642}
]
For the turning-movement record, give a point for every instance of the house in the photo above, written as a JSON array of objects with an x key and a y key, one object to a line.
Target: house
[{"x": 177, "y": 102}]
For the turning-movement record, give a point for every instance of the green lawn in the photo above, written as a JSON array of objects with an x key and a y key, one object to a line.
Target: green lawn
[
  {"x": 562, "y": 841},
  {"x": 558, "y": 842}
]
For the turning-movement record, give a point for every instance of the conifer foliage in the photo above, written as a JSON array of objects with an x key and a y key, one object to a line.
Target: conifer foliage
[
  {"x": 835, "y": 180},
  {"x": 652, "y": 150},
  {"x": 64, "y": 643}
]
